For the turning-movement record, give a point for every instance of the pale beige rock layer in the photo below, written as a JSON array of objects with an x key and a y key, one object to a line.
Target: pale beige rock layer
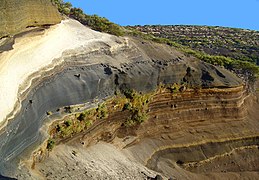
[{"x": 32, "y": 53}]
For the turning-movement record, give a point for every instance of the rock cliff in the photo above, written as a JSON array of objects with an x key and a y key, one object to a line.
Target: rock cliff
[
  {"x": 189, "y": 135},
  {"x": 15, "y": 15},
  {"x": 197, "y": 117}
]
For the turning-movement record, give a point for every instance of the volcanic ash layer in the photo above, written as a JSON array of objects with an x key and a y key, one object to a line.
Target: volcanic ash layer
[
  {"x": 69, "y": 64},
  {"x": 37, "y": 52}
]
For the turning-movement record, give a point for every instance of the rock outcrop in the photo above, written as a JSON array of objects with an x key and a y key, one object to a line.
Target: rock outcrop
[
  {"x": 16, "y": 15},
  {"x": 93, "y": 67},
  {"x": 48, "y": 71},
  {"x": 189, "y": 135}
]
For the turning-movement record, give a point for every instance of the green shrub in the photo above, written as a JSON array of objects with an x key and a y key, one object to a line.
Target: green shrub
[
  {"x": 139, "y": 116},
  {"x": 63, "y": 7},
  {"x": 88, "y": 123},
  {"x": 137, "y": 105},
  {"x": 68, "y": 123},
  {"x": 102, "y": 111},
  {"x": 129, "y": 123},
  {"x": 174, "y": 88},
  {"x": 93, "y": 21},
  {"x": 248, "y": 68},
  {"x": 81, "y": 117},
  {"x": 50, "y": 144},
  {"x": 58, "y": 128},
  {"x": 127, "y": 106},
  {"x": 129, "y": 93},
  {"x": 98, "y": 23}
]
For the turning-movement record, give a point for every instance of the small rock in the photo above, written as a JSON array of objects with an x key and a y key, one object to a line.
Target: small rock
[
  {"x": 158, "y": 177},
  {"x": 180, "y": 162},
  {"x": 74, "y": 152},
  {"x": 182, "y": 89},
  {"x": 77, "y": 75},
  {"x": 166, "y": 126},
  {"x": 49, "y": 113}
]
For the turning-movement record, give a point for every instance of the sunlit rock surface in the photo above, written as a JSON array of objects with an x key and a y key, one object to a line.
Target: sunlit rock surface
[
  {"x": 32, "y": 53},
  {"x": 193, "y": 132},
  {"x": 16, "y": 15}
]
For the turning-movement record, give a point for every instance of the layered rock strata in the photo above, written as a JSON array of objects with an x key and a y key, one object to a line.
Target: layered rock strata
[
  {"x": 210, "y": 112},
  {"x": 196, "y": 134},
  {"x": 42, "y": 52}
]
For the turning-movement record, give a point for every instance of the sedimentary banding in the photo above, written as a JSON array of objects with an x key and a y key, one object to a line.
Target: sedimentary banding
[
  {"x": 70, "y": 64},
  {"x": 31, "y": 54}
]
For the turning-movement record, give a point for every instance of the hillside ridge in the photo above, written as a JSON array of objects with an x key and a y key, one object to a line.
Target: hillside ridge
[{"x": 241, "y": 44}]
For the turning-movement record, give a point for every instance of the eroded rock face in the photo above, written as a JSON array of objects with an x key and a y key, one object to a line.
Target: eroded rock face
[
  {"x": 187, "y": 134},
  {"x": 210, "y": 108},
  {"x": 17, "y": 15}
]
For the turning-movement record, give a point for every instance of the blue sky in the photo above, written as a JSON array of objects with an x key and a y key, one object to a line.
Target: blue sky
[{"x": 229, "y": 13}]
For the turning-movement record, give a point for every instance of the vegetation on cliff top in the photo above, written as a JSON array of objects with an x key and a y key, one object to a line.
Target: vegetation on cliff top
[
  {"x": 234, "y": 49},
  {"x": 93, "y": 21},
  {"x": 230, "y": 42},
  {"x": 241, "y": 66}
]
